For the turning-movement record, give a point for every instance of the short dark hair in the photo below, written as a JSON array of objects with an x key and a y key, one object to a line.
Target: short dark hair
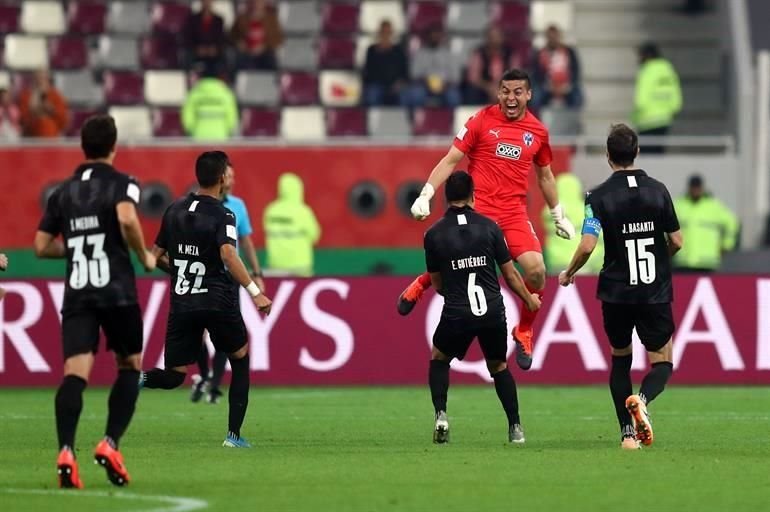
[
  {"x": 516, "y": 74},
  {"x": 459, "y": 186},
  {"x": 210, "y": 167},
  {"x": 649, "y": 50},
  {"x": 622, "y": 145},
  {"x": 98, "y": 136}
]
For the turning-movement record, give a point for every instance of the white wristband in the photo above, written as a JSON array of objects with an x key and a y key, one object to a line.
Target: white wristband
[
  {"x": 253, "y": 289},
  {"x": 428, "y": 191},
  {"x": 557, "y": 212}
]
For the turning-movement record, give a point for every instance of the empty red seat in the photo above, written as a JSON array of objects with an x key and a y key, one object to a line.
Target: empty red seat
[
  {"x": 260, "y": 122},
  {"x": 424, "y": 15},
  {"x": 123, "y": 87},
  {"x": 67, "y": 52},
  {"x": 346, "y": 122},
  {"x": 340, "y": 17},
  {"x": 86, "y": 16},
  {"x": 9, "y": 18},
  {"x": 299, "y": 88},
  {"x": 336, "y": 53},
  {"x": 77, "y": 118},
  {"x": 167, "y": 123},
  {"x": 511, "y": 17},
  {"x": 159, "y": 51},
  {"x": 432, "y": 121},
  {"x": 170, "y": 16}
]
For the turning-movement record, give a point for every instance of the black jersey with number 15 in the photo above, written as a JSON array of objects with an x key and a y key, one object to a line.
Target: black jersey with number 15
[
  {"x": 635, "y": 212},
  {"x": 193, "y": 230},
  {"x": 82, "y": 210}
]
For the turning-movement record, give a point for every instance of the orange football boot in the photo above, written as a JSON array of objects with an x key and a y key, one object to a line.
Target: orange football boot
[
  {"x": 523, "y": 347},
  {"x": 641, "y": 418},
  {"x": 409, "y": 297},
  {"x": 112, "y": 461},
  {"x": 67, "y": 468}
]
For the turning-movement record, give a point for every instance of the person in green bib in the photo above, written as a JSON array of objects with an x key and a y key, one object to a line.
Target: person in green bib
[{"x": 210, "y": 111}]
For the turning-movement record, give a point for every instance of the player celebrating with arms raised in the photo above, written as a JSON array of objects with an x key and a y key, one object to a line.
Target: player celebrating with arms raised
[{"x": 502, "y": 143}]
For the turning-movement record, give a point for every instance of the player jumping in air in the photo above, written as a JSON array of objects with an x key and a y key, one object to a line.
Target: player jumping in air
[
  {"x": 502, "y": 142},
  {"x": 462, "y": 250},
  {"x": 95, "y": 212},
  {"x": 641, "y": 233}
]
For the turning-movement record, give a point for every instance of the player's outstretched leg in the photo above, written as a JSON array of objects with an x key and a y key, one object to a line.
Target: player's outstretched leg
[
  {"x": 620, "y": 388},
  {"x": 217, "y": 373},
  {"x": 523, "y": 334},
  {"x": 438, "y": 380},
  {"x": 239, "y": 399},
  {"x": 509, "y": 399},
  {"x": 69, "y": 404},
  {"x": 413, "y": 293}
]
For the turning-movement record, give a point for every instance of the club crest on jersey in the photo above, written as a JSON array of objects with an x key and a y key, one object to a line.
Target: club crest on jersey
[
  {"x": 528, "y": 138},
  {"x": 508, "y": 151}
]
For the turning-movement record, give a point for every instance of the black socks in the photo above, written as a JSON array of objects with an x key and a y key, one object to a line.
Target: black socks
[
  {"x": 620, "y": 387},
  {"x": 506, "y": 392},
  {"x": 218, "y": 370},
  {"x": 239, "y": 394},
  {"x": 122, "y": 403},
  {"x": 438, "y": 379},
  {"x": 69, "y": 404},
  {"x": 655, "y": 381},
  {"x": 162, "y": 379}
]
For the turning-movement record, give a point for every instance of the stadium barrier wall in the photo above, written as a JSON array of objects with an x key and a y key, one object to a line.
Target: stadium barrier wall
[{"x": 345, "y": 331}]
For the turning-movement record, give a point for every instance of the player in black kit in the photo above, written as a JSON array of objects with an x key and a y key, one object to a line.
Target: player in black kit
[
  {"x": 462, "y": 251},
  {"x": 198, "y": 237},
  {"x": 95, "y": 212},
  {"x": 641, "y": 233}
]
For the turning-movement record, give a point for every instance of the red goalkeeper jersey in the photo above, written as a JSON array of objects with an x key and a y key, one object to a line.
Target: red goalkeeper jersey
[{"x": 500, "y": 154}]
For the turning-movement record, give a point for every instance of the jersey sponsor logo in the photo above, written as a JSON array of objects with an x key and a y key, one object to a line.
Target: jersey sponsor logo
[
  {"x": 230, "y": 230},
  {"x": 528, "y": 138},
  {"x": 133, "y": 192},
  {"x": 496, "y": 133},
  {"x": 462, "y": 132},
  {"x": 509, "y": 151}
]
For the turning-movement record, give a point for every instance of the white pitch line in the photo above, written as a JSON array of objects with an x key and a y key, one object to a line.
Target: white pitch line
[{"x": 178, "y": 504}]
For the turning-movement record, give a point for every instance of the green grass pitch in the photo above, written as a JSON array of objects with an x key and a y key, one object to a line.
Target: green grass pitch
[{"x": 369, "y": 449}]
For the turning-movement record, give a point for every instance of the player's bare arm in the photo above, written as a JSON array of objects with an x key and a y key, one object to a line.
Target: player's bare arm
[
  {"x": 516, "y": 284},
  {"x": 583, "y": 252},
  {"x": 675, "y": 242},
  {"x": 251, "y": 257},
  {"x": 439, "y": 174},
  {"x": 229, "y": 255},
  {"x": 132, "y": 233},
  {"x": 161, "y": 259},
  {"x": 435, "y": 280},
  {"x": 48, "y": 246},
  {"x": 547, "y": 184}
]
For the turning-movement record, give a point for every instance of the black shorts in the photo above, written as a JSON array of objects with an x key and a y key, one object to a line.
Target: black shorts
[
  {"x": 184, "y": 334},
  {"x": 122, "y": 326},
  {"x": 654, "y": 324},
  {"x": 454, "y": 336}
]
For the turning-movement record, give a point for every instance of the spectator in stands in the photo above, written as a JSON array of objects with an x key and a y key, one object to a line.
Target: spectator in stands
[
  {"x": 485, "y": 67},
  {"x": 556, "y": 73},
  {"x": 206, "y": 41},
  {"x": 44, "y": 111},
  {"x": 709, "y": 227},
  {"x": 257, "y": 35},
  {"x": 435, "y": 73},
  {"x": 658, "y": 95},
  {"x": 10, "y": 117},
  {"x": 386, "y": 71},
  {"x": 210, "y": 111},
  {"x": 291, "y": 229}
]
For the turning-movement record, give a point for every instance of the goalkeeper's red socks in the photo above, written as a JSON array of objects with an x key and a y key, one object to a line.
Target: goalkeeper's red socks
[
  {"x": 527, "y": 317},
  {"x": 424, "y": 280}
]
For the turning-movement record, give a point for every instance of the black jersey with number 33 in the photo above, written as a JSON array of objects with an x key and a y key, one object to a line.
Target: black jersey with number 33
[
  {"x": 193, "y": 230},
  {"x": 465, "y": 247},
  {"x": 82, "y": 210},
  {"x": 635, "y": 212}
]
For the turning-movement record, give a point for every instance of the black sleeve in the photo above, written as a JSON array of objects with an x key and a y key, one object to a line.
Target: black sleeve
[
  {"x": 670, "y": 220},
  {"x": 128, "y": 190},
  {"x": 500, "y": 246},
  {"x": 226, "y": 232},
  {"x": 432, "y": 261},
  {"x": 52, "y": 221}
]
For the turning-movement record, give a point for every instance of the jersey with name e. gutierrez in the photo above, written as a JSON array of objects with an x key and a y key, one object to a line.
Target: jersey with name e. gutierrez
[
  {"x": 465, "y": 247},
  {"x": 82, "y": 210},
  {"x": 193, "y": 230},
  {"x": 635, "y": 212}
]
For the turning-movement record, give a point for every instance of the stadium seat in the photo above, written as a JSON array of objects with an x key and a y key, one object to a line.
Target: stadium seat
[
  {"x": 79, "y": 87},
  {"x": 299, "y": 54},
  {"x": 512, "y": 17},
  {"x": 303, "y": 124},
  {"x": 159, "y": 51},
  {"x": 25, "y": 52},
  {"x": 77, "y": 118},
  {"x": 363, "y": 42},
  {"x": 299, "y": 88},
  {"x": 467, "y": 17},
  {"x": 86, "y": 17},
  {"x": 340, "y": 88},
  {"x": 543, "y": 14},
  {"x": 388, "y": 122},
  {"x": 132, "y": 122},
  {"x": 423, "y": 15},
  {"x": 463, "y": 46},
  {"x": 5, "y": 79},
  {"x": 374, "y": 11},
  {"x": 167, "y": 123},
  {"x": 259, "y": 122},
  {"x": 9, "y": 18},
  {"x": 123, "y": 87},
  {"x": 299, "y": 17},
  {"x": 67, "y": 52},
  {"x": 165, "y": 88},
  {"x": 346, "y": 122},
  {"x": 223, "y": 8},
  {"x": 43, "y": 17},
  {"x": 336, "y": 53},
  {"x": 432, "y": 121},
  {"x": 340, "y": 17},
  {"x": 117, "y": 53},
  {"x": 462, "y": 114},
  {"x": 170, "y": 17},
  {"x": 257, "y": 88},
  {"x": 128, "y": 17}
]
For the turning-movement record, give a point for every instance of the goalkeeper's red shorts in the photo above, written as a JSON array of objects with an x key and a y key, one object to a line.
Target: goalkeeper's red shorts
[{"x": 520, "y": 236}]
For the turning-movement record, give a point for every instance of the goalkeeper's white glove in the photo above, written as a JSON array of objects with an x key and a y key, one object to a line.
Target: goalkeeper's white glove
[
  {"x": 421, "y": 206},
  {"x": 564, "y": 227}
]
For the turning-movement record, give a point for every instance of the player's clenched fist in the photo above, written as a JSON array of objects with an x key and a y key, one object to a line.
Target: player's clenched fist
[
  {"x": 564, "y": 279},
  {"x": 149, "y": 261},
  {"x": 564, "y": 227},
  {"x": 534, "y": 303},
  {"x": 421, "y": 206},
  {"x": 263, "y": 303},
  {"x": 3, "y": 262}
]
